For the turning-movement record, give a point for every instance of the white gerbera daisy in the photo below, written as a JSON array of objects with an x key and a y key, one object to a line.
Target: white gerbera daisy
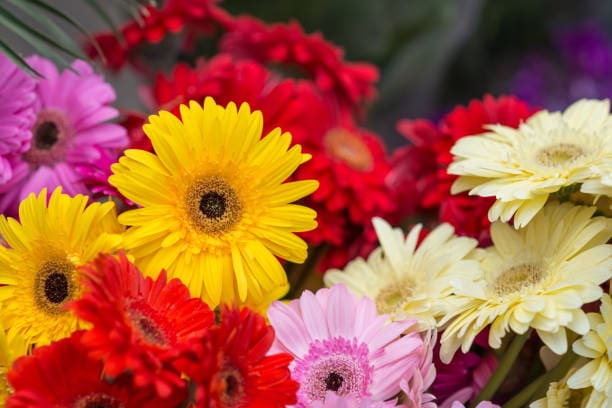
[
  {"x": 595, "y": 345},
  {"x": 405, "y": 280},
  {"x": 535, "y": 277},
  {"x": 522, "y": 167}
]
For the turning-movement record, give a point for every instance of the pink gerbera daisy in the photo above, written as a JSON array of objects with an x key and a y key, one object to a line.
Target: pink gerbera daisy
[
  {"x": 68, "y": 131},
  {"x": 341, "y": 344},
  {"x": 17, "y": 100}
]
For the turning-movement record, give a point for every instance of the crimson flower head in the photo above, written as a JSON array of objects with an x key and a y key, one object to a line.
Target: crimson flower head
[
  {"x": 350, "y": 84},
  {"x": 230, "y": 366},
  {"x": 139, "y": 324},
  {"x": 63, "y": 374},
  {"x": 420, "y": 169}
]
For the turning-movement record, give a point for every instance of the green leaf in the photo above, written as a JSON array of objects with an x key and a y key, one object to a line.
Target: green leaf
[
  {"x": 58, "y": 13},
  {"x": 34, "y": 37},
  {"x": 17, "y": 59},
  {"x": 106, "y": 18}
]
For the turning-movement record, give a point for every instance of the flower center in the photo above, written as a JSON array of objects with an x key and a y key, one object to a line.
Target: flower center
[
  {"x": 51, "y": 136},
  {"x": 54, "y": 286},
  {"x": 233, "y": 394},
  {"x": 150, "y": 328},
  {"x": 392, "y": 296},
  {"x": 559, "y": 154},
  {"x": 213, "y": 205},
  {"x": 347, "y": 147},
  {"x": 336, "y": 364},
  {"x": 98, "y": 400},
  {"x": 517, "y": 278}
]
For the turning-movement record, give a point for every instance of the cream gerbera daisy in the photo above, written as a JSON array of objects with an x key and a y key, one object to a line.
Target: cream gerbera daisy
[
  {"x": 538, "y": 277},
  {"x": 523, "y": 167},
  {"x": 595, "y": 345},
  {"x": 405, "y": 280},
  {"x": 38, "y": 268},
  {"x": 560, "y": 395},
  {"x": 215, "y": 210}
]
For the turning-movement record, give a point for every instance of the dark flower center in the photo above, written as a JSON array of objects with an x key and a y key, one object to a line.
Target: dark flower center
[
  {"x": 56, "y": 287},
  {"x": 98, "y": 401},
  {"x": 47, "y": 134},
  {"x": 151, "y": 331},
  {"x": 233, "y": 394},
  {"x": 333, "y": 381},
  {"x": 149, "y": 324},
  {"x": 213, "y": 204}
]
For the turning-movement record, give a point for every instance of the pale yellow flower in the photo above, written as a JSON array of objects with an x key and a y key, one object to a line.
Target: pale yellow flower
[
  {"x": 522, "y": 167},
  {"x": 537, "y": 277}
]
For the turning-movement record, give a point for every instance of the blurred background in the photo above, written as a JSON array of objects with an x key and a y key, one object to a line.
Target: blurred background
[{"x": 432, "y": 54}]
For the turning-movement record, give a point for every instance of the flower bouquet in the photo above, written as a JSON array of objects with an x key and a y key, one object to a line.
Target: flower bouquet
[{"x": 247, "y": 242}]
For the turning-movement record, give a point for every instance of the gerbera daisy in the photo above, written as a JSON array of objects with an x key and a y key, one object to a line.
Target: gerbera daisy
[
  {"x": 537, "y": 277},
  {"x": 559, "y": 394},
  {"x": 216, "y": 212},
  {"x": 341, "y": 344},
  {"x": 17, "y": 100},
  {"x": 522, "y": 167},
  {"x": 231, "y": 366},
  {"x": 68, "y": 131},
  {"x": 38, "y": 269},
  {"x": 595, "y": 345},
  {"x": 9, "y": 351},
  {"x": 138, "y": 324},
  {"x": 333, "y": 400},
  {"x": 405, "y": 280},
  {"x": 349, "y": 84},
  {"x": 63, "y": 375}
]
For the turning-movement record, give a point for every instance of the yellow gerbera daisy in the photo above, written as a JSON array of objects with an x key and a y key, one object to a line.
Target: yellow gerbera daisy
[
  {"x": 38, "y": 268},
  {"x": 522, "y": 167},
  {"x": 215, "y": 209},
  {"x": 538, "y": 277},
  {"x": 9, "y": 352},
  {"x": 406, "y": 281},
  {"x": 595, "y": 345}
]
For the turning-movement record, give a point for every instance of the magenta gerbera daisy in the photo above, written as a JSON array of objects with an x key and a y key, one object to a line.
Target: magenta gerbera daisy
[
  {"x": 17, "y": 100},
  {"x": 69, "y": 129},
  {"x": 341, "y": 344}
]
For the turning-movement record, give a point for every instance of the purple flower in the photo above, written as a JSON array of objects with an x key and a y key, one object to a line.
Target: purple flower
[
  {"x": 17, "y": 101},
  {"x": 341, "y": 344},
  {"x": 68, "y": 131}
]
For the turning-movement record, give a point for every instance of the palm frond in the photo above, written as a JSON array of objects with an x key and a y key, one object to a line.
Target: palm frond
[{"x": 49, "y": 37}]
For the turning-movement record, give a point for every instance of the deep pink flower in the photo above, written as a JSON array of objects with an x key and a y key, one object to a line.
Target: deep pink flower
[
  {"x": 17, "y": 101},
  {"x": 68, "y": 131},
  {"x": 341, "y": 344}
]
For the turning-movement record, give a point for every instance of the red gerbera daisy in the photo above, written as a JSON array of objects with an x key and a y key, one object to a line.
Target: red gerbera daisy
[
  {"x": 421, "y": 167},
  {"x": 154, "y": 24},
  {"x": 230, "y": 368},
  {"x": 64, "y": 375},
  {"x": 351, "y": 84},
  {"x": 139, "y": 325}
]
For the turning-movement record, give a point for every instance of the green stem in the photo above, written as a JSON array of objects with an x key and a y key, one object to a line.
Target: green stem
[
  {"x": 537, "y": 389},
  {"x": 503, "y": 368}
]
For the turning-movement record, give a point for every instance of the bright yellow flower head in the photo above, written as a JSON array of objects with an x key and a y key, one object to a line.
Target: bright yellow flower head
[
  {"x": 522, "y": 167},
  {"x": 9, "y": 352},
  {"x": 38, "y": 268},
  {"x": 216, "y": 208},
  {"x": 537, "y": 277}
]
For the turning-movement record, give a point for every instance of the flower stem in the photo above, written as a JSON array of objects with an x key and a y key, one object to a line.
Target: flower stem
[
  {"x": 503, "y": 368},
  {"x": 539, "y": 386},
  {"x": 299, "y": 273}
]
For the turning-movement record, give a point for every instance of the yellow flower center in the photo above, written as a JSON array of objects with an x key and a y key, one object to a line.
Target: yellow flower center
[
  {"x": 348, "y": 148},
  {"x": 213, "y": 205},
  {"x": 559, "y": 154},
  {"x": 392, "y": 296},
  {"x": 54, "y": 285},
  {"x": 517, "y": 278}
]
